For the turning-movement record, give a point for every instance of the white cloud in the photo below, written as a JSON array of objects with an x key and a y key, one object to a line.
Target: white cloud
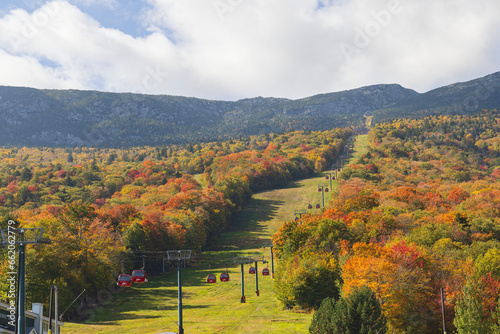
[
  {"x": 106, "y": 3},
  {"x": 229, "y": 49}
]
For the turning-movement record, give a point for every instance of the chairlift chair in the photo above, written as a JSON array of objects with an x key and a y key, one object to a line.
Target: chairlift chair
[
  {"x": 211, "y": 278},
  {"x": 124, "y": 280},
  {"x": 224, "y": 277},
  {"x": 139, "y": 276}
]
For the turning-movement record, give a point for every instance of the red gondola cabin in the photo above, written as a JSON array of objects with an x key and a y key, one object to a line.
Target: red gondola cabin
[
  {"x": 139, "y": 276},
  {"x": 211, "y": 278},
  {"x": 265, "y": 272},
  {"x": 124, "y": 280},
  {"x": 251, "y": 270},
  {"x": 224, "y": 277}
]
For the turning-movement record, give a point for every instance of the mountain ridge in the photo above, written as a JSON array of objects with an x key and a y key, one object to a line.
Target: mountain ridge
[{"x": 69, "y": 118}]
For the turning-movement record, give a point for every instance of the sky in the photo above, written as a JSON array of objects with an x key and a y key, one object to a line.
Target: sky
[{"x": 235, "y": 49}]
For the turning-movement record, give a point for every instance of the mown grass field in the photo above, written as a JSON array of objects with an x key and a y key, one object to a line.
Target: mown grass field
[{"x": 216, "y": 308}]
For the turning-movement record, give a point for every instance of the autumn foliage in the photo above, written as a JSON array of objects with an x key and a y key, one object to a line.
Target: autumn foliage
[
  {"x": 101, "y": 206},
  {"x": 417, "y": 213}
]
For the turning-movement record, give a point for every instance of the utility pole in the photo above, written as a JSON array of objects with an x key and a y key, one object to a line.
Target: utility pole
[
  {"x": 50, "y": 309},
  {"x": 21, "y": 236},
  {"x": 56, "y": 309},
  {"x": 442, "y": 311}
]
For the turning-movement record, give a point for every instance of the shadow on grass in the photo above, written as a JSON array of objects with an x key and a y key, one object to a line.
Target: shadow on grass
[
  {"x": 139, "y": 300},
  {"x": 120, "y": 316},
  {"x": 149, "y": 300},
  {"x": 256, "y": 210},
  {"x": 248, "y": 231}
]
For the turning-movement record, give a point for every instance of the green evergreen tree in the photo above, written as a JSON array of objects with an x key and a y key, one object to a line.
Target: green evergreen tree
[
  {"x": 135, "y": 237},
  {"x": 26, "y": 174},
  {"x": 469, "y": 311},
  {"x": 360, "y": 313},
  {"x": 93, "y": 166},
  {"x": 322, "y": 319},
  {"x": 365, "y": 313}
]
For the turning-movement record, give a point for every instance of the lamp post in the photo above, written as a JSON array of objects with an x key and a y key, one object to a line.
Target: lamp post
[
  {"x": 179, "y": 255},
  {"x": 21, "y": 236}
]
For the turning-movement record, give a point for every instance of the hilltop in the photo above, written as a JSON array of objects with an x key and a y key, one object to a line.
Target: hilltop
[
  {"x": 73, "y": 118},
  {"x": 69, "y": 118}
]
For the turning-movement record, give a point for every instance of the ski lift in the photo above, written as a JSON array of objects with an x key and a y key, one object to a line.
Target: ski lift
[
  {"x": 326, "y": 190},
  {"x": 124, "y": 280},
  {"x": 309, "y": 206},
  {"x": 318, "y": 206},
  {"x": 224, "y": 277},
  {"x": 319, "y": 189},
  {"x": 251, "y": 270},
  {"x": 327, "y": 177},
  {"x": 139, "y": 276},
  {"x": 265, "y": 272},
  {"x": 211, "y": 278}
]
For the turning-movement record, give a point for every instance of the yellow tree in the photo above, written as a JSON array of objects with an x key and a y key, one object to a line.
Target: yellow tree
[{"x": 397, "y": 276}]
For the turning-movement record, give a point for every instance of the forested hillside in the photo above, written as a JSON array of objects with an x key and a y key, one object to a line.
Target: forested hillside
[
  {"x": 464, "y": 98},
  {"x": 70, "y": 118},
  {"x": 417, "y": 213},
  {"x": 99, "y": 206}
]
